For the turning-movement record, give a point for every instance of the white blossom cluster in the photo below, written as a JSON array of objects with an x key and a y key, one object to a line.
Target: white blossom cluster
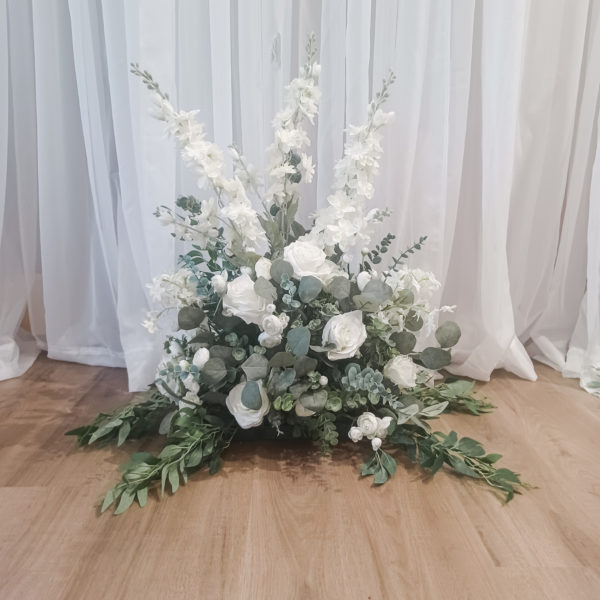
[{"x": 343, "y": 222}]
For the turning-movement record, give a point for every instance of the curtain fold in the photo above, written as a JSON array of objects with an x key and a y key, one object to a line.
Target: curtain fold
[{"x": 493, "y": 154}]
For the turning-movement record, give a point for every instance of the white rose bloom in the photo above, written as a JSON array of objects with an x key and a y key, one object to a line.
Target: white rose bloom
[
  {"x": 362, "y": 279},
  {"x": 272, "y": 325},
  {"x": 355, "y": 434},
  {"x": 368, "y": 423},
  {"x": 201, "y": 357},
  {"x": 246, "y": 417},
  {"x": 307, "y": 258},
  {"x": 184, "y": 365},
  {"x": 376, "y": 443},
  {"x": 302, "y": 411},
  {"x": 242, "y": 301},
  {"x": 262, "y": 268},
  {"x": 219, "y": 284},
  {"x": 347, "y": 332},
  {"x": 402, "y": 371},
  {"x": 269, "y": 341},
  {"x": 382, "y": 427}
]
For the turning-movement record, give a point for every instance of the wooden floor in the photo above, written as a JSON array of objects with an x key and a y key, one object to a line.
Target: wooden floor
[{"x": 281, "y": 522}]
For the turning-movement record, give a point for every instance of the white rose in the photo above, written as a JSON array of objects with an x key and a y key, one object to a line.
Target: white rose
[
  {"x": 307, "y": 258},
  {"x": 375, "y": 444},
  {"x": 355, "y": 434},
  {"x": 272, "y": 325},
  {"x": 242, "y": 301},
  {"x": 269, "y": 341},
  {"x": 219, "y": 284},
  {"x": 362, "y": 279},
  {"x": 402, "y": 371},
  {"x": 368, "y": 424},
  {"x": 347, "y": 332},
  {"x": 262, "y": 268},
  {"x": 302, "y": 411},
  {"x": 382, "y": 426},
  {"x": 201, "y": 357},
  {"x": 247, "y": 417},
  {"x": 184, "y": 365}
]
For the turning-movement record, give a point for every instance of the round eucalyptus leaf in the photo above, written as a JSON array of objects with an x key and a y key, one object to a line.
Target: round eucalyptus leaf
[
  {"x": 309, "y": 288},
  {"x": 314, "y": 401},
  {"x": 339, "y": 287},
  {"x": 404, "y": 341},
  {"x": 190, "y": 317},
  {"x": 251, "y": 397},
  {"x": 435, "y": 358},
  {"x": 279, "y": 268},
  {"x": 448, "y": 334},
  {"x": 413, "y": 321},
  {"x": 214, "y": 370},
  {"x": 264, "y": 288},
  {"x": 298, "y": 340},
  {"x": 256, "y": 367}
]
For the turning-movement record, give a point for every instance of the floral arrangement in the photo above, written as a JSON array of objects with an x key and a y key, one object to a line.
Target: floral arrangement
[{"x": 296, "y": 332}]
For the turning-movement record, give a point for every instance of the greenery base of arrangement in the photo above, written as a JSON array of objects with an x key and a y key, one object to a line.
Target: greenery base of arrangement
[{"x": 307, "y": 332}]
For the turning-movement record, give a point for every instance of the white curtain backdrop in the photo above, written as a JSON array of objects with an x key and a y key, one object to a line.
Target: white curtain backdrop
[{"x": 494, "y": 154}]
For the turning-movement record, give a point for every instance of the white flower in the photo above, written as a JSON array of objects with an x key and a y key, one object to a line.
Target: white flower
[
  {"x": 376, "y": 444},
  {"x": 242, "y": 301},
  {"x": 355, "y": 434},
  {"x": 201, "y": 357},
  {"x": 262, "y": 268},
  {"x": 219, "y": 284},
  {"x": 368, "y": 423},
  {"x": 269, "y": 341},
  {"x": 175, "y": 348},
  {"x": 362, "y": 279},
  {"x": 382, "y": 425},
  {"x": 302, "y": 411},
  {"x": 184, "y": 365},
  {"x": 191, "y": 384},
  {"x": 307, "y": 258},
  {"x": 402, "y": 371},
  {"x": 247, "y": 417},
  {"x": 272, "y": 325},
  {"x": 150, "y": 323},
  {"x": 191, "y": 398},
  {"x": 347, "y": 332},
  {"x": 323, "y": 380}
]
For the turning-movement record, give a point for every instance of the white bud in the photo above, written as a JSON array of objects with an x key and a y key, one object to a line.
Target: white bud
[
  {"x": 323, "y": 380},
  {"x": 376, "y": 444},
  {"x": 201, "y": 357}
]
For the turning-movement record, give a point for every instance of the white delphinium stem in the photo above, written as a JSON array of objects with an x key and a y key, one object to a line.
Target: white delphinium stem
[
  {"x": 343, "y": 221},
  {"x": 242, "y": 231}
]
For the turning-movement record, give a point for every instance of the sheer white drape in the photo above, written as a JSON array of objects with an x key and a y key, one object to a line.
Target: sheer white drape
[{"x": 493, "y": 155}]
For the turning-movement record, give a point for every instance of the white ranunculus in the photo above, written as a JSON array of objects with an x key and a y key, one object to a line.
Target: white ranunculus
[
  {"x": 307, "y": 258},
  {"x": 347, "y": 332},
  {"x": 376, "y": 444},
  {"x": 246, "y": 417},
  {"x": 355, "y": 434},
  {"x": 242, "y": 301},
  {"x": 382, "y": 426},
  {"x": 262, "y": 268},
  {"x": 269, "y": 341},
  {"x": 272, "y": 325},
  {"x": 402, "y": 371},
  {"x": 302, "y": 411},
  {"x": 219, "y": 284},
  {"x": 201, "y": 357},
  {"x": 368, "y": 423}
]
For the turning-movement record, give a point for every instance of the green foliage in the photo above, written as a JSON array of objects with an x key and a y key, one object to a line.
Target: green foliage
[
  {"x": 339, "y": 287},
  {"x": 435, "y": 358},
  {"x": 448, "y": 334},
  {"x": 132, "y": 421},
  {"x": 309, "y": 288},
  {"x": 298, "y": 340},
  {"x": 256, "y": 367},
  {"x": 398, "y": 262},
  {"x": 196, "y": 439},
  {"x": 251, "y": 397},
  {"x": 190, "y": 317}
]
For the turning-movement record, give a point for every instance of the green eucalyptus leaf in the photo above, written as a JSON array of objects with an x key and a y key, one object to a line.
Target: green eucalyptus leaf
[
  {"x": 447, "y": 334},
  {"x": 404, "y": 341},
  {"x": 377, "y": 291},
  {"x": 304, "y": 365},
  {"x": 388, "y": 463},
  {"x": 214, "y": 370},
  {"x": 435, "y": 358},
  {"x": 126, "y": 501},
  {"x": 284, "y": 380},
  {"x": 314, "y": 401},
  {"x": 251, "y": 397},
  {"x": 298, "y": 340},
  {"x": 339, "y": 287},
  {"x": 190, "y": 317},
  {"x": 412, "y": 321},
  {"x": 405, "y": 297},
  {"x": 256, "y": 366},
  {"x": 279, "y": 268},
  {"x": 264, "y": 288},
  {"x": 282, "y": 359},
  {"x": 309, "y": 288}
]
